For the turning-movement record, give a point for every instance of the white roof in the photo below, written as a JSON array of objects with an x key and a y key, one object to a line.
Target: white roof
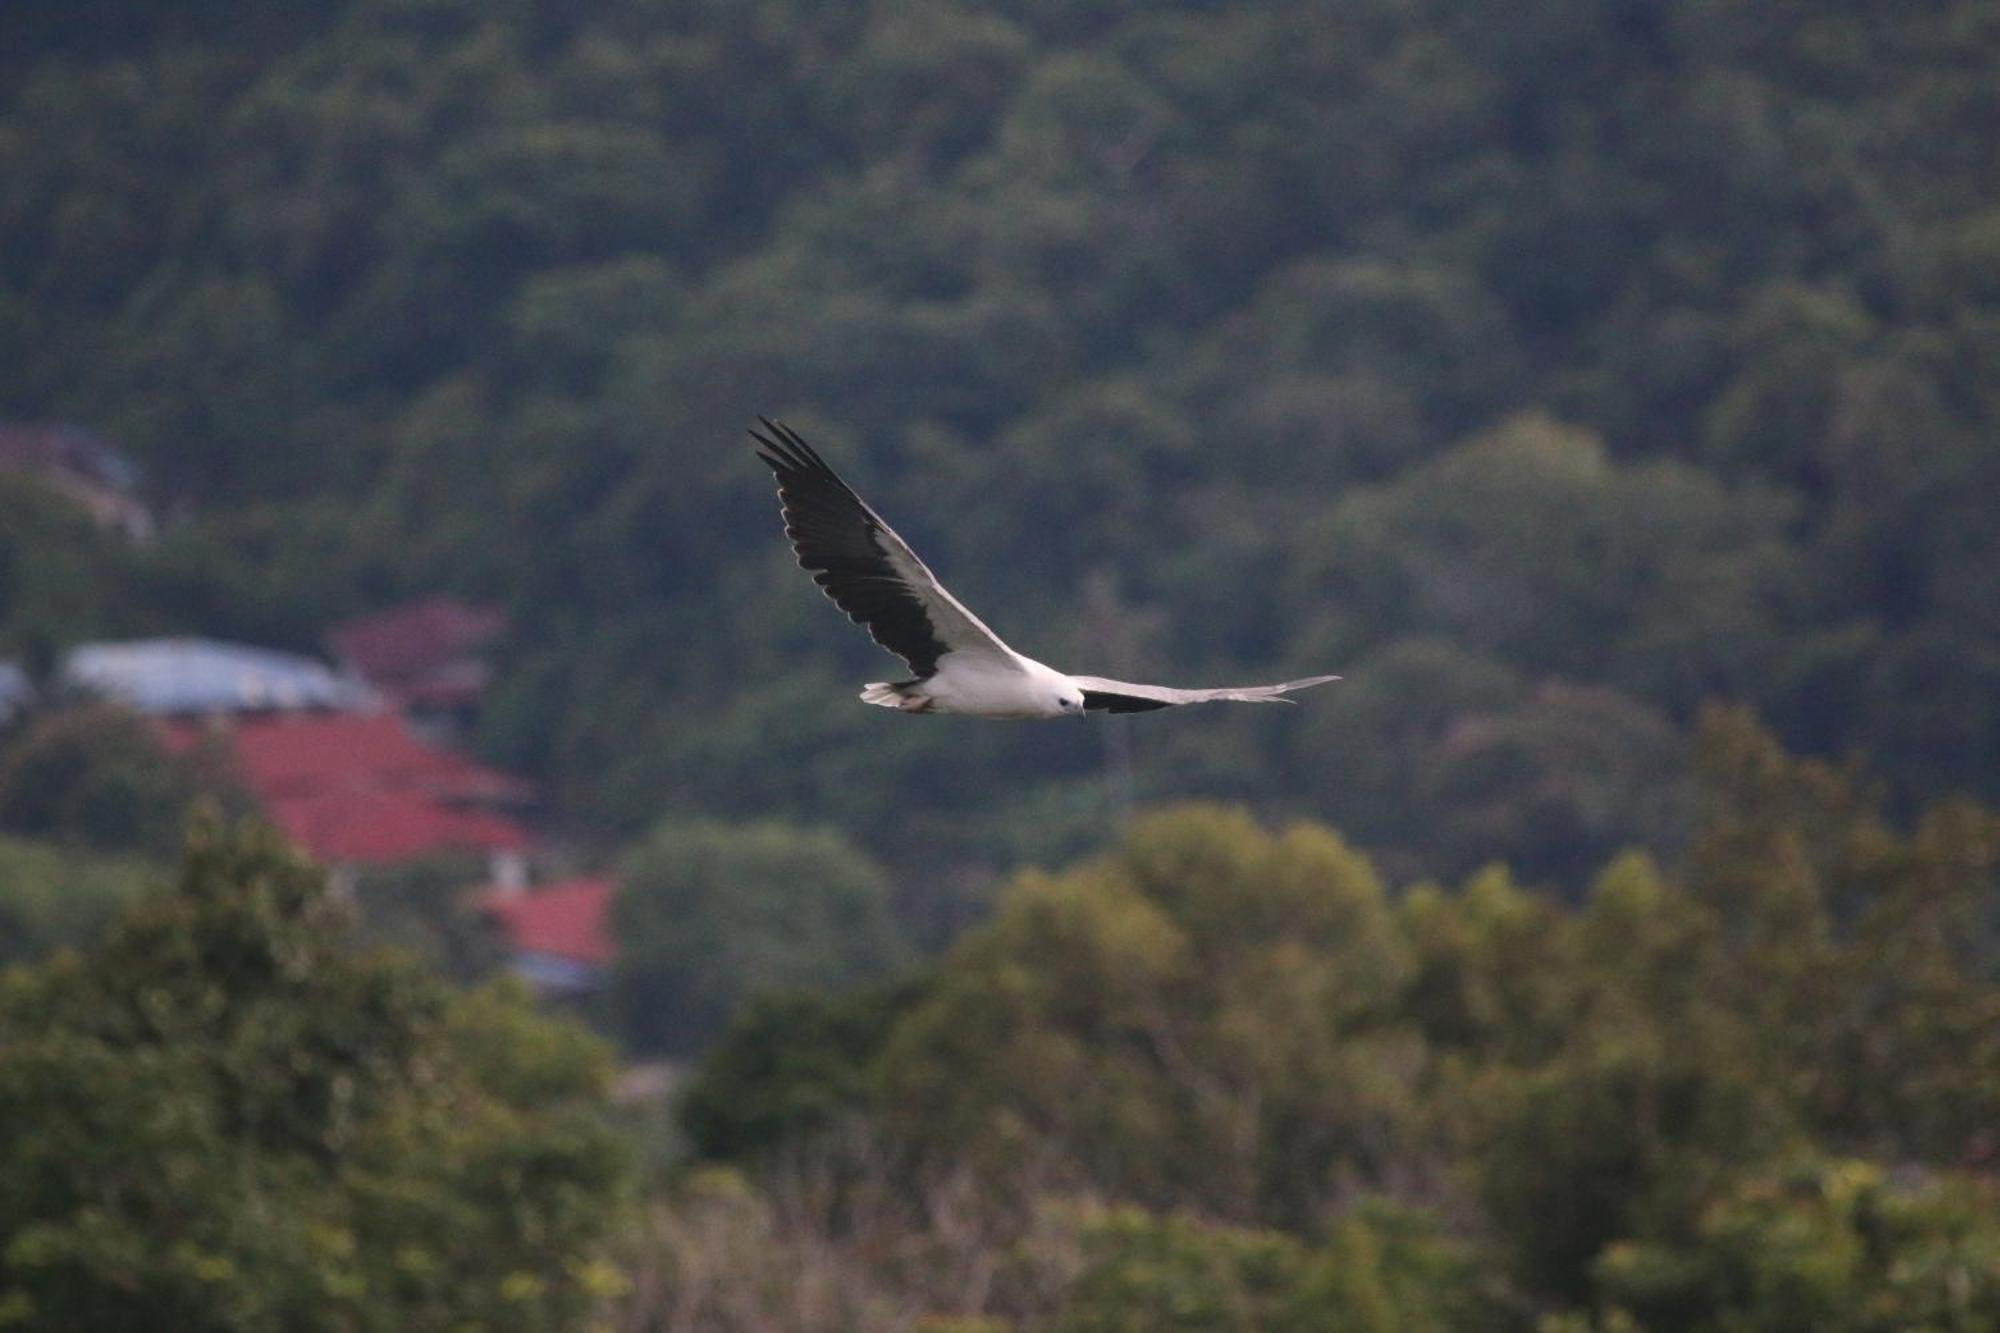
[
  {"x": 16, "y": 690},
  {"x": 205, "y": 676}
]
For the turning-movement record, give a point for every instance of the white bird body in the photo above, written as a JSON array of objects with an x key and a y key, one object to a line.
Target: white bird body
[
  {"x": 961, "y": 666},
  {"x": 983, "y": 685}
]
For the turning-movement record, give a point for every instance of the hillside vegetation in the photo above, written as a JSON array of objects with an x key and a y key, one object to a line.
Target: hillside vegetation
[
  {"x": 1546, "y": 372},
  {"x": 1220, "y": 1077}
]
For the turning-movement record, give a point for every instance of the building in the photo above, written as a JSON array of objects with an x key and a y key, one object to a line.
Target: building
[
  {"x": 201, "y": 677},
  {"x": 424, "y": 657},
  {"x": 358, "y": 790},
  {"x": 83, "y": 466},
  {"x": 559, "y": 934},
  {"x": 353, "y": 784}
]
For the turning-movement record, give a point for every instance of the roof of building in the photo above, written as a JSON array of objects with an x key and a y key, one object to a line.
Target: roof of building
[
  {"x": 293, "y": 754},
  {"x": 73, "y": 462},
  {"x": 16, "y": 690},
  {"x": 385, "y": 827},
  {"x": 67, "y": 449},
  {"x": 191, "y": 676},
  {"x": 362, "y": 788},
  {"x": 412, "y": 641},
  {"x": 558, "y": 977},
  {"x": 567, "y": 920}
]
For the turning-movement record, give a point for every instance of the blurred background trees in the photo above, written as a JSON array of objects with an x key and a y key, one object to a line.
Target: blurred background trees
[
  {"x": 1553, "y": 375},
  {"x": 1618, "y": 359},
  {"x": 223, "y": 1115},
  {"x": 1215, "y": 1075},
  {"x": 708, "y": 914}
]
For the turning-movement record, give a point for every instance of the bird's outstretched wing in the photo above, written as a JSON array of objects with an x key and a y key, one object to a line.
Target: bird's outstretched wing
[
  {"x": 1121, "y": 696},
  {"x": 860, "y": 562}
]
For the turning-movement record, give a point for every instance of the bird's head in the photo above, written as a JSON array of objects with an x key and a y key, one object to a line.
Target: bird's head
[{"x": 1070, "y": 702}]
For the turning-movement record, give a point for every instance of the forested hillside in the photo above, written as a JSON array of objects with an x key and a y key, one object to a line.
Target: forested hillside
[
  {"x": 1218, "y": 1077},
  {"x": 1545, "y": 369}
]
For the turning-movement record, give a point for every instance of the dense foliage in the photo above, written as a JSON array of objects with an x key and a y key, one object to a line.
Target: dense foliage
[
  {"x": 61, "y": 577},
  {"x": 222, "y": 1116},
  {"x": 707, "y": 914},
  {"x": 1551, "y": 370},
  {"x": 1543, "y": 374},
  {"x": 97, "y": 777},
  {"x": 50, "y": 898},
  {"x": 1216, "y": 1078}
]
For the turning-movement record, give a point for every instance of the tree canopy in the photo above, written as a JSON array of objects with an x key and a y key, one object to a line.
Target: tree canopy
[
  {"x": 1215, "y": 1075},
  {"x": 1581, "y": 381},
  {"x": 1544, "y": 377},
  {"x": 223, "y": 1116},
  {"x": 707, "y": 915}
]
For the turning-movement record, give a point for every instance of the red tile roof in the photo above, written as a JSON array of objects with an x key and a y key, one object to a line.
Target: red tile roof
[
  {"x": 387, "y": 827},
  {"x": 566, "y": 920},
  {"x": 360, "y": 787},
  {"x": 288, "y": 754},
  {"x": 430, "y": 644}
]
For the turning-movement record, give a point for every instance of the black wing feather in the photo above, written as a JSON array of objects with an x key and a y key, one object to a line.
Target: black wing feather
[
  {"x": 1104, "y": 701},
  {"x": 839, "y": 540}
]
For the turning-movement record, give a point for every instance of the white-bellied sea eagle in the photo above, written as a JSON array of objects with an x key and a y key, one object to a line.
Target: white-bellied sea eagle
[{"x": 960, "y": 665}]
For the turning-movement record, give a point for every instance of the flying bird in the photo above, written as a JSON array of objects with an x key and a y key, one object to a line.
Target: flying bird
[{"x": 958, "y": 665}]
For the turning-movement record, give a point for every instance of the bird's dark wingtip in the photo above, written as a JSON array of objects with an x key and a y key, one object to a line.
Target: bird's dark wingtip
[
  {"x": 778, "y": 451},
  {"x": 796, "y": 446},
  {"x": 787, "y": 444}
]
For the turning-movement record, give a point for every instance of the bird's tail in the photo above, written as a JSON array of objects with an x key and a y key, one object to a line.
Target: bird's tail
[{"x": 902, "y": 694}]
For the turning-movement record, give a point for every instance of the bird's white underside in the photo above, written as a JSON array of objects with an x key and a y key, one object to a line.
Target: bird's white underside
[
  {"x": 976, "y": 673},
  {"x": 985, "y": 684}
]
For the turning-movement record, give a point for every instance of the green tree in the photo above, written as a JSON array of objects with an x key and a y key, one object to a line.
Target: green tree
[
  {"x": 1379, "y": 1272},
  {"x": 788, "y": 1067},
  {"x": 1634, "y": 354},
  {"x": 430, "y": 909},
  {"x": 62, "y": 578},
  {"x": 1530, "y": 543},
  {"x": 1821, "y": 977},
  {"x": 1823, "y": 1244},
  {"x": 97, "y": 777},
  {"x": 1629, "y": 1109},
  {"x": 709, "y": 914},
  {"x": 52, "y": 897},
  {"x": 1494, "y": 973},
  {"x": 1204, "y": 1017},
  {"x": 1228, "y": 1039},
  {"x": 1863, "y": 954},
  {"x": 222, "y": 1117}
]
